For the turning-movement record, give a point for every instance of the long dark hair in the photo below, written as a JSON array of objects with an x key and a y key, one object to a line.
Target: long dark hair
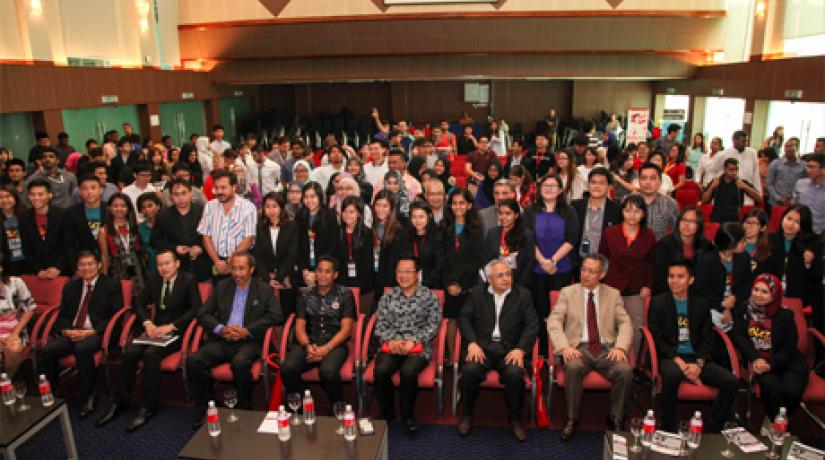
[
  {"x": 805, "y": 238},
  {"x": 392, "y": 226},
  {"x": 283, "y": 217},
  {"x": 562, "y": 208},
  {"x": 570, "y": 172},
  {"x": 639, "y": 202},
  {"x": 358, "y": 233},
  {"x": 323, "y": 215},
  {"x": 429, "y": 229},
  {"x": 763, "y": 246},
  {"x": 18, "y": 206},
  {"x": 524, "y": 174},
  {"x": 472, "y": 223},
  {"x": 700, "y": 225},
  {"x": 130, "y": 215},
  {"x": 515, "y": 236}
]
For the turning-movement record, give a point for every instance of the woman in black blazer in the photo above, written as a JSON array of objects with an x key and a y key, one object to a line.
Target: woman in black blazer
[
  {"x": 795, "y": 257},
  {"x": 688, "y": 242},
  {"x": 389, "y": 234},
  {"x": 317, "y": 229},
  {"x": 355, "y": 243},
  {"x": 517, "y": 247},
  {"x": 276, "y": 248},
  {"x": 425, "y": 243},
  {"x": 766, "y": 336}
]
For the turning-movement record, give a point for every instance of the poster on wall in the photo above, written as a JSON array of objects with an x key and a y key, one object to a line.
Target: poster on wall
[{"x": 637, "y": 125}]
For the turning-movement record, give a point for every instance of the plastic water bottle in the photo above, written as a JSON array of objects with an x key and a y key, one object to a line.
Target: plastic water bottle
[
  {"x": 6, "y": 389},
  {"x": 350, "y": 430},
  {"x": 213, "y": 422},
  {"x": 45, "y": 388},
  {"x": 283, "y": 424},
  {"x": 309, "y": 408},
  {"x": 780, "y": 423},
  {"x": 695, "y": 430},
  {"x": 649, "y": 428}
]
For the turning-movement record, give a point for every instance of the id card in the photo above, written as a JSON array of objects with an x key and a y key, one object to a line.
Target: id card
[{"x": 352, "y": 272}]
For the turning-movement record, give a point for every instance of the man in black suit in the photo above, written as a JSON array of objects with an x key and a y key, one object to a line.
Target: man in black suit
[
  {"x": 87, "y": 305},
  {"x": 683, "y": 333},
  {"x": 519, "y": 156},
  {"x": 235, "y": 319},
  {"x": 176, "y": 229},
  {"x": 87, "y": 217},
  {"x": 42, "y": 234},
  {"x": 499, "y": 327},
  {"x": 175, "y": 298},
  {"x": 596, "y": 212}
]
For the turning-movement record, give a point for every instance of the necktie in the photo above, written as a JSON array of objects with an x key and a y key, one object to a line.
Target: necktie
[
  {"x": 80, "y": 322},
  {"x": 166, "y": 289},
  {"x": 593, "y": 339},
  {"x": 261, "y": 178}
]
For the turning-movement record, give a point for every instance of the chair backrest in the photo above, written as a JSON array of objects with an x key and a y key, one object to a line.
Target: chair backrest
[
  {"x": 710, "y": 229},
  {"x": 803, "y": 341},
  {"x": 707, "y": 210},
  {"x": 126, "y": 286},
  {"x": 46, "y": 292},
  {"x": 205, "y": 290},
  {"x": 776, "y": 217},
  {"x": 745, "y": 209},
  {"x": 554, "y": 297}
]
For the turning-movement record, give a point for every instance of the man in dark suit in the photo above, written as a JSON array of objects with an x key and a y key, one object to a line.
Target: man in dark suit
[
  {"x": 175, "y": 298},
  {"x": 519, "y": 156},
  {"x": 235, "y": 319},
  {"x": 85, "y": 219},
  {"x": 595, "y": 212},
  {"x": 499, "y": 327},
  {"x": 683, "y": 333},
  {"x": 87, "y": 305},
  {"x": 42, "y": 235},
  {"x": 176, "y": 228}
]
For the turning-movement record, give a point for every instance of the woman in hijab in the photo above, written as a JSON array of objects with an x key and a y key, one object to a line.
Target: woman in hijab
[
  {"x": 484, "y": 197},
  {"x": 394, "y": 182},
  {"x": 300, "y": 172},
  {"x": 416, "y": 166},
  {"x": 765, "y": 334},
  {"x": 356, "y": 168}
]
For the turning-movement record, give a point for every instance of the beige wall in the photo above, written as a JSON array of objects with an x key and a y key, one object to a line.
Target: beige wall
[{"x": 591, "y": 96}]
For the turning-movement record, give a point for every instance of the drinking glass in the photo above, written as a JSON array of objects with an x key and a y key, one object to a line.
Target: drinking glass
[
  {"x": 777, "y": 439},
  {"x": 636, "y": 429},
  {"x": 20, "y": 389},
  {"x": 684, "y": 434},
  {"x": 230, "y": 398},
  {"x": 730, "y": 437},
  {"x": 294, "y": 401},
  {"x": 338, "y": 409}
]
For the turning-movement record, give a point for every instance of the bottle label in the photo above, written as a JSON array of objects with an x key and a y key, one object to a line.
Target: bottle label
[
  {"x": 696, "y": 426},
  {"x": 283, "y": 422},
  {"x": 212, "y": 418},
  {"x": 780, "y": 426},
  {"x": 349, "y": 422},
  {"x": 309, "y": 406},
  {"x": 5, "y": 386},
  {"x": 650, "y": 426},
  {"x": 45, "y": 388}
]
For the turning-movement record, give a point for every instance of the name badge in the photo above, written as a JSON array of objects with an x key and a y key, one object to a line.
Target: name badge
[{"x": 352, "y": 272}]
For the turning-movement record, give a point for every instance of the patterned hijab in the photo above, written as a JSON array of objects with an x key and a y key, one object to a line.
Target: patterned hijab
[{"x": 762, "y": 312}]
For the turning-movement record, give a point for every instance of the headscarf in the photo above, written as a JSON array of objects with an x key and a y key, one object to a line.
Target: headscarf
[
  {"x": 293, "y": 209},
  {"x": 361, "y": 176},
  {"x": 415, "y": 165},
  {"x": 763, "y": 312},
  {"x": 402, "y": 202},
  {"x": 306, "y": 165},
  {"x": 488, "y": 183}
]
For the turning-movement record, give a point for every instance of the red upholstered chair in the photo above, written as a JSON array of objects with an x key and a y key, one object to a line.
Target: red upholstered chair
[
  {"x": 493, "y": 380},
  {"x": 745, "y": 209},
  {"x": 815, "y": 390},
  {"x": 648, "y": 364},
  {"x": 688, "y": 195},
  {"x": 592, "y": 381},
  {"x": 710, "y": 229},
  {"x": 707, "y": 210},
  {"x": 350, "y": 369},
  {"x": 46, "y": 294},
  {"x": 776, "y": 217},
  {"x": 102, "y": 356}
]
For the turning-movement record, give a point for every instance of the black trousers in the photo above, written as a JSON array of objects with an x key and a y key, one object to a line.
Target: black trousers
[
  {"x": 329, "y": 369},
  {"x": 151, "y": 356},
  {"x": 781, "y": 389},
  {"x": 84, "y": 353},
  {"x": 240, "y": 355},
  {"x": 473, "y": 374},
  {"x": 712, "y": 375},
  {"x": 408, "y": 367}
]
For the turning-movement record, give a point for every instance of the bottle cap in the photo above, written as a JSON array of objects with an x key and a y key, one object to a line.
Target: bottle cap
[
  {"x": 697, "y": 414},
  {"x": 281, "y": 408},
  {"x": 349, "y": 407},
  {"x": 42, "y": 376},
  {"x": 650, "y": 412},
  {"x": 306, "y": 393},
  {"x": 211, "y": 404}
]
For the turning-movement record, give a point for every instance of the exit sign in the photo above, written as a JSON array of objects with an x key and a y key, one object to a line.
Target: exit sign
[
  {"x": 187, "y": 95},
  {"x": 112, "y": 99}
]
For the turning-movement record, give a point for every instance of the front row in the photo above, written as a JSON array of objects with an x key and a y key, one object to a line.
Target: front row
[{"x": 589, "y": 331}]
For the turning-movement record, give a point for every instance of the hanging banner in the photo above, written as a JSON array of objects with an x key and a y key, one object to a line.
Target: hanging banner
[{"x": 637, "y": 125}]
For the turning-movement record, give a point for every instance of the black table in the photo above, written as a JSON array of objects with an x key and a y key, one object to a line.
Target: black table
[
  {"x": 17, "y": 427},
  {"x": 711, "y": 447},
  {"x": 241, "y": 440}
]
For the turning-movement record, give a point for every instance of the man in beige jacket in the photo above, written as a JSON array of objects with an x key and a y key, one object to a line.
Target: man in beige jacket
[{"x": 591, "y": 330}]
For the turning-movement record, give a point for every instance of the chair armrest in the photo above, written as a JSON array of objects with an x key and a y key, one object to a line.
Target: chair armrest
[
  {"x": 365, "y": 343},
  {"x": 110, "y": 326},
  {"x": 47, "y": 330},
  {"x": 359, "y": 326},
  {"x": 535, "y": 354},
  {"x": 187, "y": 336},
  {"x": 128, "y": 323},
  {"x": 196, "y": 340},
  {"x": 818, "y": 336},
  {"x": 270, "y": 331},
  {"x": 285, "y": 334},
  {"x": 650, "y": 346},
  {"x": 440, "y": 343},
  {"x": 39, "y": 326},
  {"x": 457, "y": 355},
  {"x": 734, "y": 357}
]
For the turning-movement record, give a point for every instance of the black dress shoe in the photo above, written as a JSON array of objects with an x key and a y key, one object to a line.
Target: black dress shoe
[
  {"x": 143, "y": 415},
  {"x": 465, "y": 425},
  {"x": 569, "y": 429},
  {"x": 111, "y": 413},
  {"x": 410, "y": 425},
  {"x": 88, "y": 406},
  {"x": 519, "y": 431}
]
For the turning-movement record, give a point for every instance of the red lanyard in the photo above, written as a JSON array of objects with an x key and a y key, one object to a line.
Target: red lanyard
[
  {"x": 415, "y": 248},
  {"x": 503, "y": 249},
  {"x": 457, "y": 244}
]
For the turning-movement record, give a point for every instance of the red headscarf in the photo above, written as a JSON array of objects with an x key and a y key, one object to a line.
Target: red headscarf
[{"x": 775, "y": 286}]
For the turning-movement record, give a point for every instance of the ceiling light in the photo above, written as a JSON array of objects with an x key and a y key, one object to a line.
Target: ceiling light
[
  {"x": 37, "y": 7},
  {"x": 760, "y": 8}
]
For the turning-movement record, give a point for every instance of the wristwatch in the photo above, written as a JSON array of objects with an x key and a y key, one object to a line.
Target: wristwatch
[{"x": 700, "y": 362}]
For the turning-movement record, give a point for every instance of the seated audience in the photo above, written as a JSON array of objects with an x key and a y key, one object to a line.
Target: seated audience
[{"x": 16, "y": 310}]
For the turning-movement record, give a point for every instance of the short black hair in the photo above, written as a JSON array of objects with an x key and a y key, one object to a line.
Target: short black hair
[
  {"x": 166, "y": 251},
  {"x": 649, "y": 165},
  {"x": 149, "y": 196},
  {"x": 233, "y": 179},
  {"x": 330, "y": 259},
  {"x": 601, "y": 171},
  {"x": 181, "y": 167},
  {"x": 165, "y": 138},
  {"x": 180, "y": 181},
  {"x": 90, "y": 141},
  {"x": 408, "y": 257},
  {"x": 86, "y": 253},
  {"x": 62, "y": 135},
  {"x": 216, "y": 127},
  {"x": 41, "y": 135},
  {"x": 581, "y": 139},
  {"x": 728, "y": 236},
  {"x": 639, "y": 202},
  {"x": 398, "y": 153},
  {"x": 680, "y": 262},
  {"x": 16, "y": 161},
  {"x": 39, "y": 182},
  {"x": 88, "y": 177},
  {"x": 730, "y": 161},
  {"x": 141, "y": 166},
  {"x": 739, "y": 134},
  {"x": 124, "y": 141},
  {"x": 817, "y": 157},
  {"x": 673, "y": 127},
  {"x": 517, "y": 141}
]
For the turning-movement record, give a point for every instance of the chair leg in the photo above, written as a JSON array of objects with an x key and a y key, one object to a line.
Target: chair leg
[
  {"x": 108, "y": 378},
  {"x": 455, "y": 391},
  {"x": 533, "y": 400},
  {"x": 439, "y": 396},
  {"x": 267, "y": 389}
]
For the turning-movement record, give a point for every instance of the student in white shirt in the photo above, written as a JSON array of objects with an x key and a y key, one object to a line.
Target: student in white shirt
[
  {"x": 748, "y": 162},
  {"x": 377, "y": 167},
  {"x": 322, "y": 174},
  {"x": 141, "y": 185},
  {"x": 262, "y": 171}
]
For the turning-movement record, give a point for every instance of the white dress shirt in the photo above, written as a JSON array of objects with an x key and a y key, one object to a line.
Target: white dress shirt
[
  {"x": 321, "y": 174},
  {"x": 498, "y": 300},
  {"x": 266, "y": 175},
  {"x": 748, "y": 167},
  {"x": 375, "y": 174},
  {"x": 585, "y": 330},
  {"x": 273, "y": 235}
]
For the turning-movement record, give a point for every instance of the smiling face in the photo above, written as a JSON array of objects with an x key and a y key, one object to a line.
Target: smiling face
[{"x": 761, "y": 295}]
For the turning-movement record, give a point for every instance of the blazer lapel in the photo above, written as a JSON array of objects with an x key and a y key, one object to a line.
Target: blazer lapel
[{"x": 251, "y": 298}]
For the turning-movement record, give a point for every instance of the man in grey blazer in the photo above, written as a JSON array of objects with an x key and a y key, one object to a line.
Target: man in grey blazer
[
  {"x": 235, "y": 319},
  {"x": 502, "y": 190},
  {"x": 591, "y": 330}
]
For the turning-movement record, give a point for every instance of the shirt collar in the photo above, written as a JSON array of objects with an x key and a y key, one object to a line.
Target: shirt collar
[
  {"x": 594, "y": 290},
  {"x": 93, "y": 282},
  {"x": 504, "y": 294}
]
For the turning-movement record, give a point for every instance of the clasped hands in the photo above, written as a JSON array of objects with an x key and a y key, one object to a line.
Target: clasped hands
[
  {"x": 76, "y": 335},
  {"x": 760, "y": 366},
  {"x": 316, "y": 353},
  {"x": 400, "y": 347},
  {"x": 234, "y": 332},
  {"x": 691, "y": 370},
  {"x": 157, "y": 331},
  {"x": 615, "y": 354}
]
